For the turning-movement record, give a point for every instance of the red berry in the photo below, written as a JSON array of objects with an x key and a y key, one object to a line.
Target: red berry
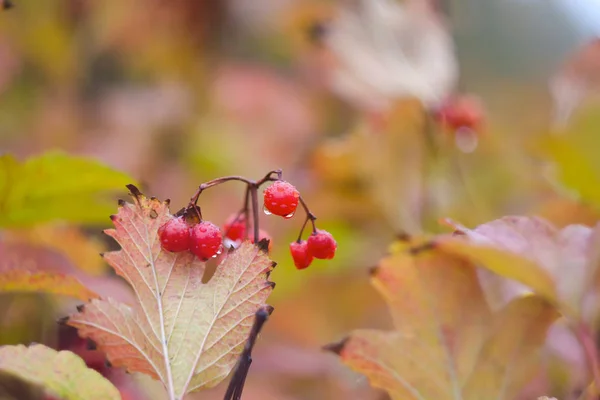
[
  {"x": 281, "y": 198},
  {"x": 235, "y": 227},
  {"x": 175, "y": 235},
  {"x": 206, "y": 240},
  {"x": 322, "y": 245},
  {"x": 300, "y": 254},
  {"x": 462, "y": 112}
]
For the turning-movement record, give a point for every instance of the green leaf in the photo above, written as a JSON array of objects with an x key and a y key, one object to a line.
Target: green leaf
[
  {"x": 574, "y": 153},
  {"x": 56, "y": 186},
  {"x": 63, "y": 373}
]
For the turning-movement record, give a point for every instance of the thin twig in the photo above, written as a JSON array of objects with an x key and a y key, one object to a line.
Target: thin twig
[
  {"x": 309, "y": 216},
  {"x": 236, "y": 385},
  {"x": 215, "y": 182},
  {"x": 254, "y": 196}
]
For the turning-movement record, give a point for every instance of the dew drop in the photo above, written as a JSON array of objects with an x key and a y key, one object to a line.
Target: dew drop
[
  {"x": 466, "y": 140},
  {"x": 290, "y": 215},
  {"x": 267, "y": 212},
  {"x": 229, "y": 243}
]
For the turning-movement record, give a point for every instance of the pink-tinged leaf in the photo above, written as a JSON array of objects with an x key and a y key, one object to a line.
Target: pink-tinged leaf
[
  {"x": 577, "y": 78},
  {"x": 25, "y": 268},
  {"x": 559, "y": 264},
  {"x": 62, "y": 373},
  {"x": 186, "y": 333},
  {"x": 447, "y": 343},
  {"x": 386, "y": 50}
]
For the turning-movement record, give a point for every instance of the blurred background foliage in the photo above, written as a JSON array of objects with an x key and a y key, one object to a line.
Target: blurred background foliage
[{"x": 171, "y": 94}]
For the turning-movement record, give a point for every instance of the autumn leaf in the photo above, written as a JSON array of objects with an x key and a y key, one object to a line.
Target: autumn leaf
[
  {"x": 576, "y": 80},
  {"x": 575, "y": 164},
  {"x": 62, "y": 373},
  {"x": 56, "y": 186},
  {"x": 25, "y": 268},
  {"x": 80, "y": 250},
  {"x": 559, "y": 264},
  {"x": 183, "y": 332},
  {"x": 447, "y": 343}
]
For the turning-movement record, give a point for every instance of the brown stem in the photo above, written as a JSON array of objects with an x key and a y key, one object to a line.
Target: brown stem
[
  {"x": 215, "y": 182},
  {"x": 254, "y": 196},
  {"x": 309, "y": 216},
  {"x": 302, "y": 229},
  {"x": 245, "y": 211},
  {"x": 236, "y": 385}
]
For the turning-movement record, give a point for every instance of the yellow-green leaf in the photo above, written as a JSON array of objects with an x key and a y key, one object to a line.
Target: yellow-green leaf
[
  {"x": 573, "y": 152},
  {"x": 63, "y": 373},
  {"x": 56, "y": 186},
  {"x": 186, "y": 333},
  {"x": 504, "y": 263}
]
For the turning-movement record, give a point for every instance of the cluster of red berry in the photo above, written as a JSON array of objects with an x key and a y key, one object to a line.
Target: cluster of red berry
[{"x": 206, "y": 240}]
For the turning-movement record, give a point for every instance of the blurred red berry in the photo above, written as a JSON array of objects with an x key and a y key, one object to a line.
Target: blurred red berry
[
  {"x": 175, "y": 235},
  {"x": 235, "y": 227},
  {"x": 206, "y": 240},
  {"x": 300, "y": 254},
  {"x": 322, "y": 245},
  {"x": 281, "y": 198},
  {"x": 461, "y": 112}
]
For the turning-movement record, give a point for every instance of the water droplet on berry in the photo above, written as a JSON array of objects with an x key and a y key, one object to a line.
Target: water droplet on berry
[
  {"x": 229, "y": 243},
  {"x": 219, "y": 251},
  {"x": 267, "y": 212},
  {"x": 290, "y": 215}
]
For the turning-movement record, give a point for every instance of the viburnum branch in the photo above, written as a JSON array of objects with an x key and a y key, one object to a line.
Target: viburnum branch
[
  {"x": 215, "y": 182},
  {"x": 246, "y": 213},
  {"x": 281, "y": 199},
  {"x": 269, "y": 178},
  {"x": 236, "y": 385},
  {"x": 251, "y": 191},
  {"x": 309, "y": 217},
  {"x": 254, "y": 198}
]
